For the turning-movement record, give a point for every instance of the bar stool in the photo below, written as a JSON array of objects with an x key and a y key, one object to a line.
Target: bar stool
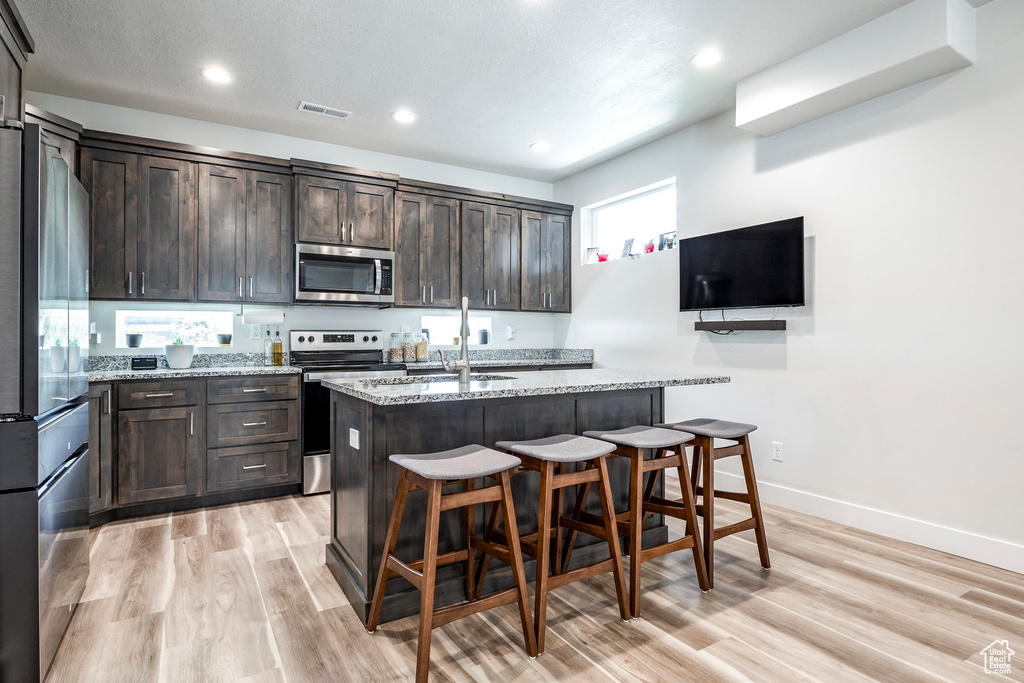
[
  {"x": 668, "y": 450},
  {"x": 704, "y": 455},
  {"x": 542, "y": 455},
  {"x": 430, "y": 472}
]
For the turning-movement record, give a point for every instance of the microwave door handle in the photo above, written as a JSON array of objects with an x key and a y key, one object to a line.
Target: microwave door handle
[{"x": 380, "y": 275}]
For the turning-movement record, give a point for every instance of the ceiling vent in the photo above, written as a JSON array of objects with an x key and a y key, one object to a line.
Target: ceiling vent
[{"x": 324, "y": 110}]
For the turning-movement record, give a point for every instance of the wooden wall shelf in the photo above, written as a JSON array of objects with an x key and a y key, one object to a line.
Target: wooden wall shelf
[{"x": 738, "y": 325}]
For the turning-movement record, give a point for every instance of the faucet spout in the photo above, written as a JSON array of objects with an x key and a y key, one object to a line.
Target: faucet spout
[{"x": 462, "y": 364}]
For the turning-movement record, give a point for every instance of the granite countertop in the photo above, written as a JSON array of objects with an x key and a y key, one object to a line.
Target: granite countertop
[
  {"x": 508, "y": 363},
  {"x": 394, "y": 390},
  {"x": 167, "y": 373}
]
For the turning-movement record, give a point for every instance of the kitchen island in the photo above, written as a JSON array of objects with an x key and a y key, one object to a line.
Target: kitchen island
[{"x": 373, "y": 418}]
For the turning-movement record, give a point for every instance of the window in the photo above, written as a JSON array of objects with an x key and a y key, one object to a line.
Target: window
[
  {"x": 159, "y": 328},
  {"x": 647, "y": 216},
  {"x": 444, "y": 329}
]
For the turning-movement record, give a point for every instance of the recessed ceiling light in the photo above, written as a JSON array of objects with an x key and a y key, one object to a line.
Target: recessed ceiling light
[
  {"x": 708, "y": 57},
  {"x": 404, "y": 116},
  {"x": 540, "y": 147},
  {"x": 216, "y": 74}
]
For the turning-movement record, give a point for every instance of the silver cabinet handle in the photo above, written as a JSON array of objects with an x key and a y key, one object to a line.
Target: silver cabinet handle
[
  {"x": 487, "y": 297},
  {"x": 431, "y": 293},
  {"x": 253, "y": 424},
  {"x": 423, "y": 299},
  {"x": 253, "y": 467},
  {"x": 240, "y": 295},
  {"x": 250, "y": 286},
  {"x": 343, "y": 232},
  {"x": 351, "y": 232},
  {"x": 129, "y": 283},
  {"x": 106, "y": 398},
  {"x": 494, "y": 299},
  {"x": 166, "y": 395},
  {"x": 262, "y": 390},
  {"x": 191, "y": 423},
  {"x": 142, "y": 283}
]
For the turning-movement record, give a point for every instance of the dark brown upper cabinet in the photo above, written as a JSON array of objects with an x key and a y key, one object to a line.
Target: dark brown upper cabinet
[
  {"x": 336, "y": 207},
  {"x": 111, "y": 178},
  {"x": 427, "y": 251},
  {"x": 15, "y": 45},
  {"x": 546, "y": 266},
  {"x": 65, "y": 134},
  {"x": 490, "y": 256},
  {"x": 245, "y": 235}
]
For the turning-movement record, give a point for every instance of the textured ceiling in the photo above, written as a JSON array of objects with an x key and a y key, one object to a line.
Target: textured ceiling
[{"x": 486, "y": 77}]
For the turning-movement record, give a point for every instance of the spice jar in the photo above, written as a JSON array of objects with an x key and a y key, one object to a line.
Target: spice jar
[
  {"x": 395, "y": 350},
  {"x": 408, "y": 348},
  {"x": 422, "y": 348}
]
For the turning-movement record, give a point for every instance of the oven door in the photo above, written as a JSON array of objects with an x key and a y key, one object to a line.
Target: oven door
[
  {"x": 344, "y": 275},
  {"x": 316, "y": 422}
]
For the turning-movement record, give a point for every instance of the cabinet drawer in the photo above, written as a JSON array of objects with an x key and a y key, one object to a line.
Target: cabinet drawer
[
  {"x": 252, "y": 466},
  {"x": 252, "y": 423},
  {"x": 249, "y": 389},
  {"x": 159, "y": 394}
]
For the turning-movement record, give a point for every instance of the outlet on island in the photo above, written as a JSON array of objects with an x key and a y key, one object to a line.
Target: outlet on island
[{"x": 777, "y": 451}]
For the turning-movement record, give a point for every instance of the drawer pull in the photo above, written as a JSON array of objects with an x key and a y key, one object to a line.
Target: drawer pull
[
  {"x": 254, "y": 467},
  {"x": 255, "y": 391},
  {"x": 253, "y": 424},
  {"x": 167, "y": 395}
]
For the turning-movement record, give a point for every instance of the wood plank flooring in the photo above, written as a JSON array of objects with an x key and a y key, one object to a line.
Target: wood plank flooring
[{"x": 241, "y": 593}]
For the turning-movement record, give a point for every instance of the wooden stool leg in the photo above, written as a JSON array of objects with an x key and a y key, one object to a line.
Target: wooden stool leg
[
  {"x": 695, "y": 472},
  {"x": 543, "y": 554},
  {"x": 469, "y": 513},
  {"x": 581, "y": 503},
  {"x": 707, "y": 459},
  {"x": 389, "y": 547},
  {"x": 492, "y": 528},
  {"x": 636, "y": 529},
  {"x": 518, "y": 573},
  {"x": 429, "y": 576},
  {"x": 755, "y": 503},
  {"x": 558, "y": 504},
  {"x": 691, "y": 520},
  {"x": 611, "y": 529}
]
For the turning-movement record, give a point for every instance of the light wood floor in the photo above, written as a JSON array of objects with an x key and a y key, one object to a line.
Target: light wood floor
[{"x": 240, "y": 593}]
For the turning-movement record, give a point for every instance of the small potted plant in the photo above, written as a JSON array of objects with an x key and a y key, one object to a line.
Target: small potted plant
[
  {"x": 58, "y": 357},
  {"x": 179, "y": 354}
]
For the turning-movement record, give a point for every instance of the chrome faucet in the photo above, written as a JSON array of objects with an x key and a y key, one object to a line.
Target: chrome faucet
[{"x": 462, "y": 364}]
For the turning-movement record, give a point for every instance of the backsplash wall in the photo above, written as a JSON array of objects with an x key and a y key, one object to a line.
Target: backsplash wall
[{"x": 533, "y": 330}]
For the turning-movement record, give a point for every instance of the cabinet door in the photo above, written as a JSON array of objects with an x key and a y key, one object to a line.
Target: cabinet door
[
  {"x": 269, "y": 260},
  {"x": 411, "y": 212},
  {"x": 474, "y": 227},
  {"x": 556, "y": 265},
  {"x": 501, "y": 258},
  {"x": 158, "y": 454},
  {"x": 532, "y": 292},
  {"x": 371, "y": 212},
  {"x": 222, "y": 225},
  {"x": 439, "y": 253},
  {"x": 111, "y": 178},
  {"x": 322, "y": 209},
  {"x": 166, "y": 229},
  {"x": 101, "y": 447}
]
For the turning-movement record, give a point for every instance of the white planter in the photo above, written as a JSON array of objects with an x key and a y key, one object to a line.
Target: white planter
[
  {"x": 74, "y": 358},
  {"x": 179, "y": 356},
  {"x": 58, "y": 358}
]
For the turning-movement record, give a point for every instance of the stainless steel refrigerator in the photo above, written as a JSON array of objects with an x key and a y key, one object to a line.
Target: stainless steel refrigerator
[{"x": 44, "y": 420}]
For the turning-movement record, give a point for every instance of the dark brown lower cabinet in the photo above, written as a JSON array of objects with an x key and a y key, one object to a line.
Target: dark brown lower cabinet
[
  {"x": 101, "y": 447},
  {"x": 246, "y": 467},
  {"x": 158, "y": 453}
]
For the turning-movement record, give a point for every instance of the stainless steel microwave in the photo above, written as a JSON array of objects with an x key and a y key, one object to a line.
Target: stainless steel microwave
[{"x": 344, "y": 275}]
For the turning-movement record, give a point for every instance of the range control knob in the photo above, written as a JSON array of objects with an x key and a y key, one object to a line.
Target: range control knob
[
  {"x": 311, "y": 339},
  {"x": 374, "y": 337},
  {"x": 302, "y": 339},
  {"x": 366, "y": 338}
]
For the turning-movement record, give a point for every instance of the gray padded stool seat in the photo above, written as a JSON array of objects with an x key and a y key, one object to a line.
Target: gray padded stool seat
[
  {"x": 717, "y": 429},
  {"x": 642, "y": 436},
  {"x": 561, "y": 448},
  {"x": 466, "y": 462}
]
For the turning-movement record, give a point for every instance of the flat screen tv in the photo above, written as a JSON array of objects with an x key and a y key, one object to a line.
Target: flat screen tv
[{"x": 756, "y": 267}]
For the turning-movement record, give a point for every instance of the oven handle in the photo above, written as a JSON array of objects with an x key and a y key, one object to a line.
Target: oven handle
[
  {"x": 358, "y": 374},
  {"x": 380, "y": 275}
]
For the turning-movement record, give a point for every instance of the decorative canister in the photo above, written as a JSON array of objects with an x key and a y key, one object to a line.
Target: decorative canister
[
  {"x": 408, "y": 347},
  {"x": 395, "y": 354}
]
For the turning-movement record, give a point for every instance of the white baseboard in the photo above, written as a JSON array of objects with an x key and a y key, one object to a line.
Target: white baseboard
[{"x": 955, "y": 541}]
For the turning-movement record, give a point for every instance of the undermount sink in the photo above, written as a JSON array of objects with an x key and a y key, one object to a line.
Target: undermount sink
[{"x": 430, "y": 379}]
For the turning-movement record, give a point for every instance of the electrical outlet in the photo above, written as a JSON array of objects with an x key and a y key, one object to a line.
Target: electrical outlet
[
  {"x": 510, "y": 332},
  {"x": 777, "y": 451},
  {"x": 255, "y": 331}
]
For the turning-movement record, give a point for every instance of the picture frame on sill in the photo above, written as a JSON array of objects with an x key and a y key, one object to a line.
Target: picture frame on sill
[
  {"x": 627, "y": 248},
  {"x": 666, "y": 240},
  {"x": 591, "y": 255}
]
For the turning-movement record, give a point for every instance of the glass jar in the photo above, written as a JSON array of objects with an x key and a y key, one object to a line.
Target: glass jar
[
  {"x": 422, "y": 348},
  {"x": 395, "y": 354},
  {"x": 408, "y": 347}
]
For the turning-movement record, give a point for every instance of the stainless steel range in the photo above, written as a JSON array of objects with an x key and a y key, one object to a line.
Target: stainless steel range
[{"x": 331, "y": 354}]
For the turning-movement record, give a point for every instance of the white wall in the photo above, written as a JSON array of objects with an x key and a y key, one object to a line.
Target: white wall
[
  {"x": 899, "y": 390},
  {"x": 533, "y": 330}
]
